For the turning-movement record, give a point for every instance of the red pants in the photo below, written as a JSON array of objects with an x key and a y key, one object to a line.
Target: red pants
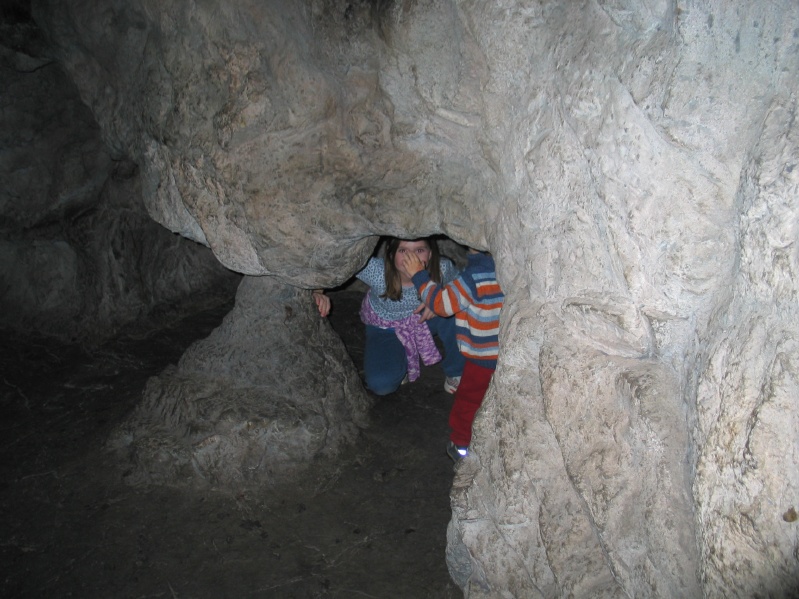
[{"x": 468, "y": 399}]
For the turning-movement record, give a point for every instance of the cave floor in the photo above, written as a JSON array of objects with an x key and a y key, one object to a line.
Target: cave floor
[{"x": 371, "y": 525}]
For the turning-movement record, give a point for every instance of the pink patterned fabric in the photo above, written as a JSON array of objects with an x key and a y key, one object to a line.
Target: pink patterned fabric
[{"x": 414, "y": 336}]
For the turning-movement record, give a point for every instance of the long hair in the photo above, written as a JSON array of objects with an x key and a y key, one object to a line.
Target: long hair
[{"x": 393, "y": 277}]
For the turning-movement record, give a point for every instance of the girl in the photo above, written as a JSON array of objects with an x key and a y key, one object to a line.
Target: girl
[{"x": 399, "y": 327}]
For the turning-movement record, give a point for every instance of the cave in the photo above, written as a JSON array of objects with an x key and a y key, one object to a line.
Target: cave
[{"x": 179, "y": 176}]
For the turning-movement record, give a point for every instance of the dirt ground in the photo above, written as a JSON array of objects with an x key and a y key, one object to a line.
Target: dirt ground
[{"x": 373, "y": 525}]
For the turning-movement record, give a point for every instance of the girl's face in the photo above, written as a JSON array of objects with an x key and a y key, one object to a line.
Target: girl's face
[{"x": 420, "y": 248}]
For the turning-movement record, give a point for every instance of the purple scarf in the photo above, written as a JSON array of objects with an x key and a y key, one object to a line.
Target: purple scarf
[{"x": 414, "y": 336}]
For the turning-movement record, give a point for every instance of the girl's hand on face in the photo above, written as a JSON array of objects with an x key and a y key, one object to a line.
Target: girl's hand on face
[
  {"x": 411, "y": 263},
  {"x": 322, "y": 302},
  {"x": 424, "y": 312}
]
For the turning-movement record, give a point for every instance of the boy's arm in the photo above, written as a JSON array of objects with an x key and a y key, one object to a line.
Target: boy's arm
[{"x": 444, "y": 300}]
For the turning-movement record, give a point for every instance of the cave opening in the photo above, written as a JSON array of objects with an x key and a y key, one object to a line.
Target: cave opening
[
  {"x": 99, "y": 311},
  {"x": 447, "y": 260},
  {"x": 631, "y": 163},
  {"x": 372, "y": 518}
]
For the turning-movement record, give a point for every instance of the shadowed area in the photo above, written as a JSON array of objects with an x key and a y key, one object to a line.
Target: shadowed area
[
  {"x": 630, "y": 165},
  {"x": 372, "y": 524}
]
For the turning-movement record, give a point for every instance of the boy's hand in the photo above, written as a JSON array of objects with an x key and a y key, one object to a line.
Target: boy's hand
[
  {"x": 322, "y": 302},
  {"x": 412, "y": 264}
]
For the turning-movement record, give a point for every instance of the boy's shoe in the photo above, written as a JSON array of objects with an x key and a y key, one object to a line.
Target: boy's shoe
[
  {"x": 451, "y": 384},
  {"x": 456, "y": 453}
]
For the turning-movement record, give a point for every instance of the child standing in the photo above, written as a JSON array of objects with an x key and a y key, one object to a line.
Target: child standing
[
  {"x": 475, "y": 299},
  {"x": 399, "y": 328}
]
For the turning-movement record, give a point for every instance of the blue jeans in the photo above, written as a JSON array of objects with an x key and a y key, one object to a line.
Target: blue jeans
[{"x": 385, "y": 364}]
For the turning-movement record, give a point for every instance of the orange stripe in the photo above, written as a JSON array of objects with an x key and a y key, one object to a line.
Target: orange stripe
[
  {"x": 493, "y": 306},
  {"x": 477, "y": 324},
  {"x": 490, "y": 287},
  {"x": 451, "y": 295},
  {"x": 463, "y": 291}
]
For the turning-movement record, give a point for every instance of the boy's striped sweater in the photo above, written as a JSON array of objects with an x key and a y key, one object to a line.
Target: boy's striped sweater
[{"x": 475, "y": 299}]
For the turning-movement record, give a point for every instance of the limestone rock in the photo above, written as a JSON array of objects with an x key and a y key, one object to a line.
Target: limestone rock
[
  {"x": 294, "y": 135},
  {"x": 79, "y": 257},
  {"x": 632, "y": 167},
  {"x": 270, "y": 390}
]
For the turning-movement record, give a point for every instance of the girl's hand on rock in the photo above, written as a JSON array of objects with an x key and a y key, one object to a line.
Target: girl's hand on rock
[{"x": 322, "y": 302}]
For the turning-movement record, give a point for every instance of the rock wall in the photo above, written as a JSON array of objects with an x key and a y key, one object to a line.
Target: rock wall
[
  {"x": 746, "y": 485},
  {"x": 632, "y": 166},
  {"x": 79, "y": 256},
  {"x": 284, "y": 144}
]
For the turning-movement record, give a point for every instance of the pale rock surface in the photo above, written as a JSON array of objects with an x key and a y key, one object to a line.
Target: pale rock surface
[
  {"x": 292, "y": 136},
  {"x": 631, "y": 165},
  {"x": 269, "y": 391}
]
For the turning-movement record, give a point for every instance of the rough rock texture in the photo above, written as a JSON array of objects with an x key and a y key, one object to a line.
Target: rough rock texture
[
  {"x": 747, "y": 484},
  {"x": 79, "y": 256},
  {"x": 267, "y": 392},
  {"x": 632, "y": 166},
  {"x": 292, "y": 136}
]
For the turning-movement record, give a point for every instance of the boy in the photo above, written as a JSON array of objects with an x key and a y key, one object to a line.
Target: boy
[{"x": 475, "y": 299}]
